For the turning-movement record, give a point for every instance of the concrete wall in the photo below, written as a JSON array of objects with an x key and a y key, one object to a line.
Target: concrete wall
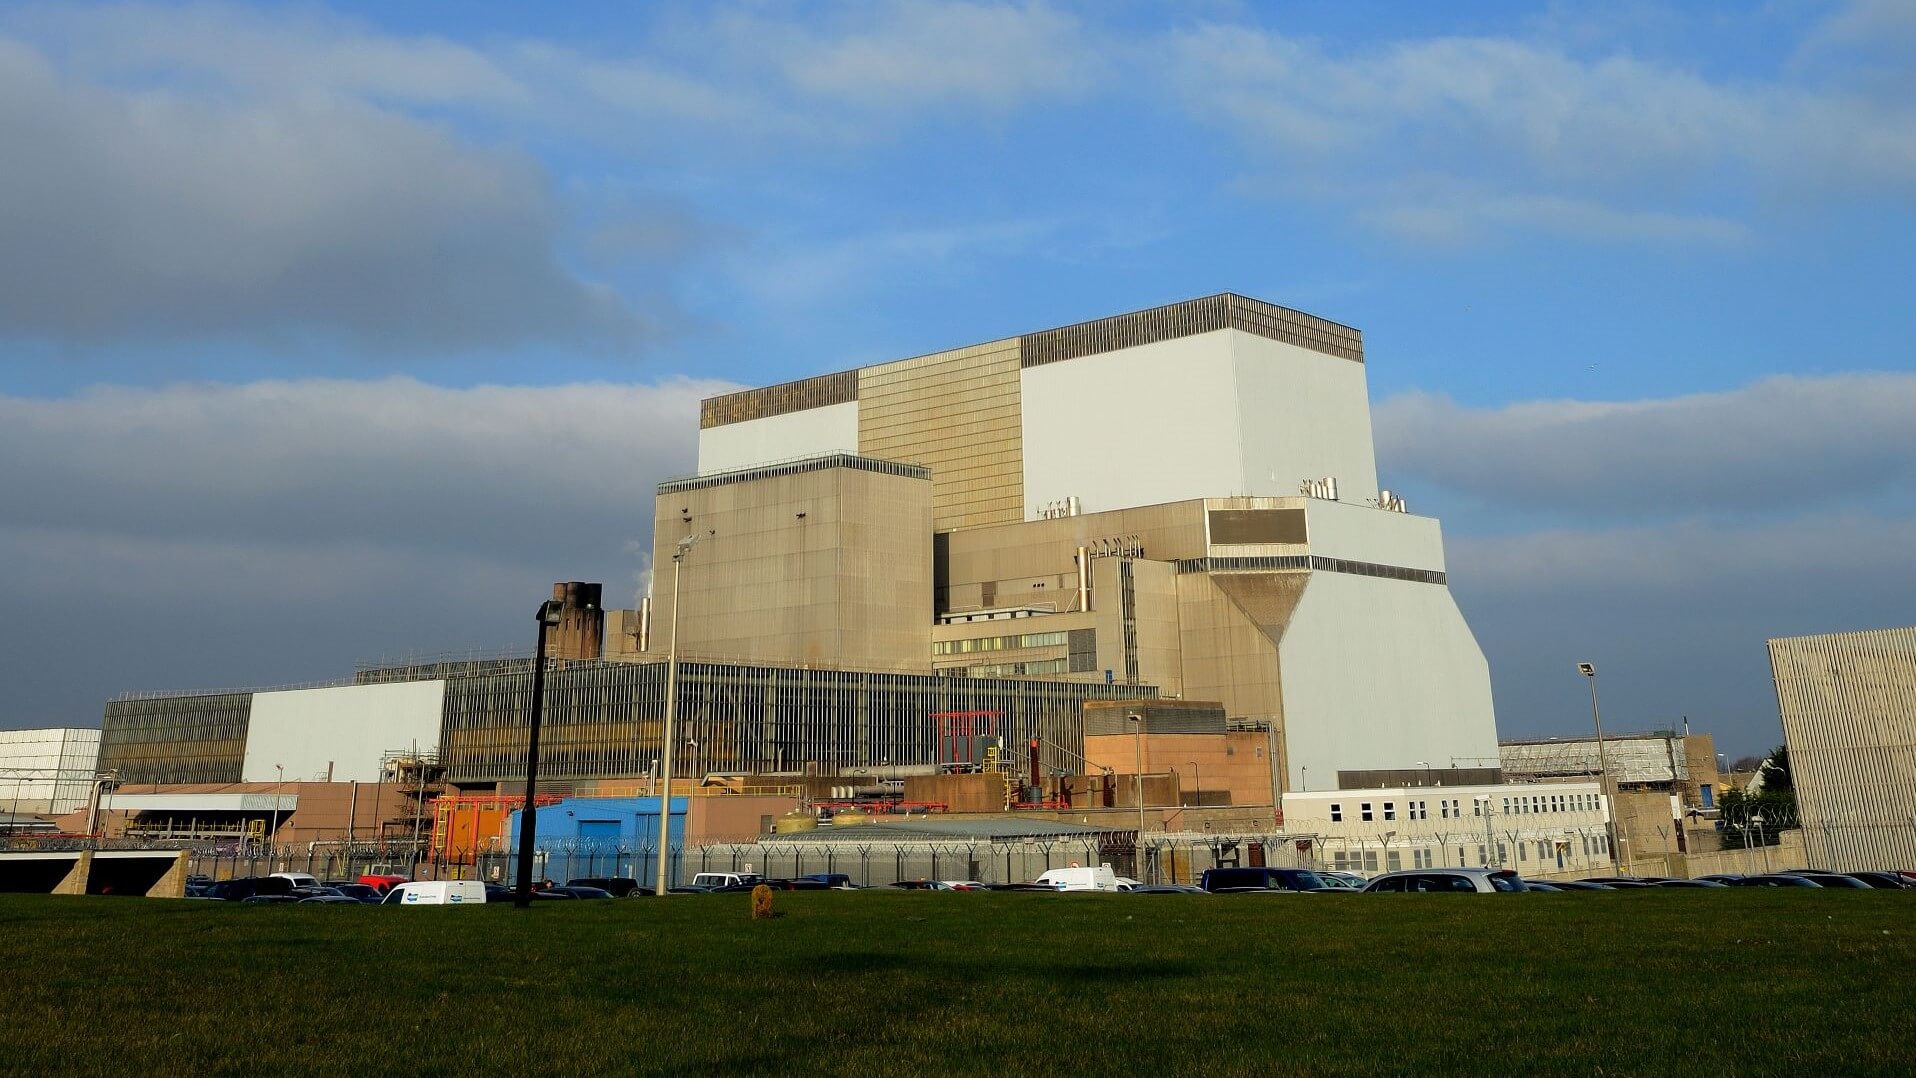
[
  {"x": 1354, "y": 532},
  {"x": 1380, "y": 673},
  {"x": 1134, "y": 427},
  {"x": 1301, "y": 415},
  {"x": 830, "y": 566},
  {"x": 811, "y": 432},
  {"x": 306, "y": 731}
]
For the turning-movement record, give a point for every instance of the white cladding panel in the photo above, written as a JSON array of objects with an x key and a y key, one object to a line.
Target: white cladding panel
[
  {"x": 1303, "y": 415},
  {"x": 811, "y": 432},
  {"x": 48, "y": 770},
  {"x": 1363, "y": 533},
  {"x": 1137, "y": 426},
  {"x": 1381, "y": 674},
  {"x": 348, "y": 728}
]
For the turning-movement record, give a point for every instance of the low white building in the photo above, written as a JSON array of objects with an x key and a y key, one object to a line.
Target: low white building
[
  {"x": 1538, "y": 829},
  {"x": 47, "y": 771}
]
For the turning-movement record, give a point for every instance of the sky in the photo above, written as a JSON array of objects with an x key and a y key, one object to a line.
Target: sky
[{"x": 333, "y": 334}]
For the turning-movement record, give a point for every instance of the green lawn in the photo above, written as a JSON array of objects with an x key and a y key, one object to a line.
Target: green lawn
[{"x": 876, "y": 983}]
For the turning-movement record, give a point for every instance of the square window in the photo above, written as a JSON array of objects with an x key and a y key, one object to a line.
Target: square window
[
  {"x": 1337, "y": 813},
  {"x": 1364, "y": 809},
  {"x": 1390, "y": 810}
]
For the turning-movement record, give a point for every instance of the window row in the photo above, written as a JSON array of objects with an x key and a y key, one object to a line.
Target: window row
[{"x": 998, "y": 643}]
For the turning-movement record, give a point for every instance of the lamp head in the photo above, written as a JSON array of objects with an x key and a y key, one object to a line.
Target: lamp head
[
  {"x": 1587, "y": 669},
  {"x": 549, "y": 612}
]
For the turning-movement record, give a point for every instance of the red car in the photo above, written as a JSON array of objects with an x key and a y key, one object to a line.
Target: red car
[{"x": 382, "y": 884}]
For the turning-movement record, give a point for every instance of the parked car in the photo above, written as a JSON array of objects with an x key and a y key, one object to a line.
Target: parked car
[
  {"x": 616, "y": 886},
  {"x": 1465, "y": 880},
  {"x": 1577, "y": 885},
  {"x": 1626, "y": 883},
  {"x": 300, "y": 879},
  {"x": 577, "y": 891},
  {"x": 330, "y": 900},
  {"x": 358, "y": 892},
  {"x": 1689, "y": 883},
  {"x": 268, "y": 899},
  {"x": 1080, "y": 878},
  {"x": 1167, "y": 889},
  {"x": 1780, "y": 879},
  {"x": 1540, "y": 885},
  {"x": 837, "y": 881},
  {"x": 383, "y": 882},
  {"x": 1233, "y": 880},
  {"x": 1350, "y": 881},
  {"x": 241, "y": 888},
  {"x": 1038, "y": 888},
  {"x": 1887, "y": 881},
  {"x": 1728, "y": 879},
  {"x": 715, "y": 880},
  {"x": 1833, "y": 880},
  {"x": 437, "y": 893}
]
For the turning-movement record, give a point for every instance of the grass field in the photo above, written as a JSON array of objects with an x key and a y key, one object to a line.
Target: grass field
[{"x": 875, "y": 983}]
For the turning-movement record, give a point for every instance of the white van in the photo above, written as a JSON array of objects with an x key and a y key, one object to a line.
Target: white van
[
  {"x": 1095, "y": 878},
  {"x": 300, "y": 879},
  {"x": 726, "y": 879},
  {"x": 437, "y": 893}
]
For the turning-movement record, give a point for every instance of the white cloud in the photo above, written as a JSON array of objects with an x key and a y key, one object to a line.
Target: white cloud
[
  {"x": 1782, "y": 441},
  {"x": 1546, "y": 140},
  {"x": 908, "y": 53}
]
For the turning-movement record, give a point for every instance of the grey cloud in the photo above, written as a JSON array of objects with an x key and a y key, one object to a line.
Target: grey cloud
[
  {"x": 1675, "y": 616},
  {"x": 490, "y": 471},
  {"x": 219, "y": 535},
  {"x": 1782, "y": 441},
  {"x": 156, "y": 213}
]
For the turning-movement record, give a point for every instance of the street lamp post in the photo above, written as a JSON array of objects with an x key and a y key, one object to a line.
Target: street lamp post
[
  {"x": 547, "y": 616},
  {"x": 698, "y": 770},
  {"x": 1758, "y": 821},
  {"x": 1137, "y": 780},
  {"x": 1589, "y": 671},
  {"x": 1490, "y": 842},
  {"x": 279, "y": 790},
  {"x": 662, "y": 886}
]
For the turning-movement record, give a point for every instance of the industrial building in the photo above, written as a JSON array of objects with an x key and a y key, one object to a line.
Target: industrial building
[
  {"x": 1138, "y": 562},
  {"x": 1537, "y": 829},
  {"x": 1184, "y": 497},
  {"x": 1666, "y": 784},
  {"x": 1848, "y": 704},
  {"x": 46, "y": 772}
]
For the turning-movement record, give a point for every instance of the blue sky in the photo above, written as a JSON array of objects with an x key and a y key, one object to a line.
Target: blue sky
[{"x": 305, "y": 307}]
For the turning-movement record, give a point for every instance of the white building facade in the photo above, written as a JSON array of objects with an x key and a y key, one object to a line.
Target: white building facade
[
  {"x": 1536, "y": 829},
  {"x": 47, "y": 771}
]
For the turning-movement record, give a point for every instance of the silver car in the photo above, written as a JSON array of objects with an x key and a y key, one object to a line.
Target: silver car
[{"x": 1466, "y": 880}]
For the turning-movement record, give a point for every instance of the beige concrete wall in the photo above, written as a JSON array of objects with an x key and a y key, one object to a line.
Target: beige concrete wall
[
  {"x": 828, "y": 567},
  {"x": 733, "y": 819}
]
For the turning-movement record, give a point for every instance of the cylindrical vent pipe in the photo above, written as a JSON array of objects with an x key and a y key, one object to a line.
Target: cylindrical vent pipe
[
  {"x": 1084, "y": 578},
  {"x": 645, "y": 624}
]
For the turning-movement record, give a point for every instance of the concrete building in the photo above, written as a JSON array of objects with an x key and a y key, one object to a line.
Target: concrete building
[
  {"x": 1542, "y": 829},
  {"x": 1667, "y": 784},
  {"x": 1179, "y": 504},
  {"x": 46, "y": 772},
  {"x": 1184, "y": 497},
  {"x": 1848, "y": 704}
]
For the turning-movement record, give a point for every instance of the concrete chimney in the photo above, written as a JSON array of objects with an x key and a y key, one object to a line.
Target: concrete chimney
[{"x": 580, "y": 633}]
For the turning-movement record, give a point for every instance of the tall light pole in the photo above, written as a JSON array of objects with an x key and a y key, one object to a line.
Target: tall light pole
[
  {"x": 662, "y": 885},
  {"x": 1137, "y": 780},
  {"x": 698, "y": 771},
  {"x": 1490, "y": 837},
  {"x": 279, "y": 791},
  {"x": 1589, "y": 671},
  {"x": 547, "y": 616}
]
